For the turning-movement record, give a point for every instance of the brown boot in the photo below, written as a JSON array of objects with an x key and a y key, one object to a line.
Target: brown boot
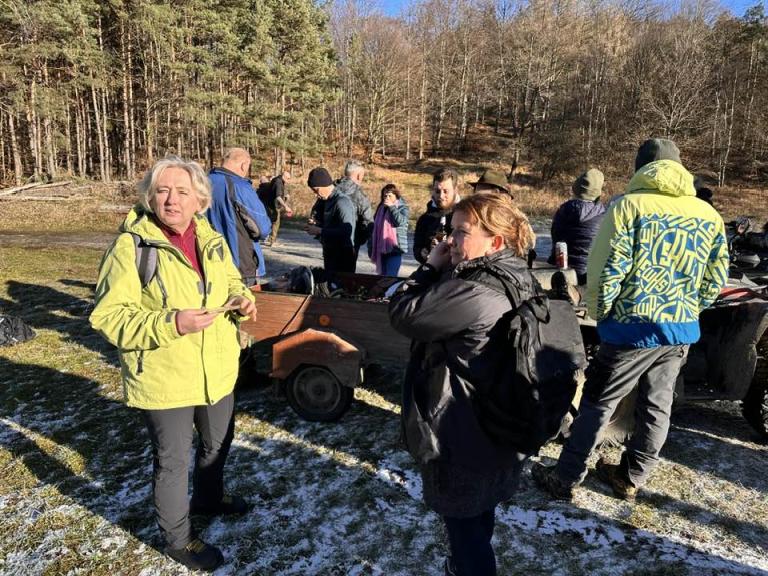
[{"x": 609, "y": 474}]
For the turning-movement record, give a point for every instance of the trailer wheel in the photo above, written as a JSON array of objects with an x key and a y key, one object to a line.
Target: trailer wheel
[
  {"x": 316, "y": 394},
  {"x": 754, "y": 407}
]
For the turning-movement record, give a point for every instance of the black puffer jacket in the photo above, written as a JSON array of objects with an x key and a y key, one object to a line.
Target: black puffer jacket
[
  {"x": 457, "y": 317},
  {"x": 576, "y": 223}
]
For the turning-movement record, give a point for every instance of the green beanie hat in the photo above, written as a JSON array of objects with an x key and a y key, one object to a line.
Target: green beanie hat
[
  {"x": 656, "y": 149},
  {"x": 589, "y": 185}
]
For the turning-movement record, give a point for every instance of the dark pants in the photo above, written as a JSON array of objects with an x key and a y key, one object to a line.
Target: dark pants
[
  {"x": 354, "y": 261},
  {"x": 470, "y": 543},
  {"x": 613, "y": 374},
  {"x": 339, "y": 258},
  {"x": 171, "y": 434},
  {"x": 390, "y": 263},
  {"x": 274, "y": 216}
]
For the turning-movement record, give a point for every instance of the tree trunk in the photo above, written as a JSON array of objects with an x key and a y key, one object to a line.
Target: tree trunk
[
  {"x": 127, "y": 156},
  {"x": 423, "y": 109},
  {"x": 18, "y": 168}
]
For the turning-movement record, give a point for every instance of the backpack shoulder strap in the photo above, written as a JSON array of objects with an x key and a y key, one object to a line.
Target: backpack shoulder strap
[{"x": 146, "y": 259}]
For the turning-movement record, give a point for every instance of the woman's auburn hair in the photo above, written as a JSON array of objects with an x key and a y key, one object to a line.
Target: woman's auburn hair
[
  {"x": 497, "y": 214},
  {"x": 200, "y": 183}
]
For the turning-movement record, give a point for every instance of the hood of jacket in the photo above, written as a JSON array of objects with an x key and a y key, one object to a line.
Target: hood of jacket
[
  {"x": 586, "y": 210},
  {"x": 504, "y": 263},
  {"x": 139, "y": 221},
  {"x": 662, "y": 177}
]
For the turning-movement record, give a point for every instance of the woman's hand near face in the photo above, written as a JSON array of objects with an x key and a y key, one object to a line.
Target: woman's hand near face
[
  {"x": 245, "y": 306},
  {"x": 390, "y": 200},
  {"x": 440, "y": 256},
  {"x": 194, "y": 320}
]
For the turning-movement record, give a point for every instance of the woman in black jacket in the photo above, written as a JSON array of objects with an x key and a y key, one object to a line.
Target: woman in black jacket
[{"x": 451, "y": 307}]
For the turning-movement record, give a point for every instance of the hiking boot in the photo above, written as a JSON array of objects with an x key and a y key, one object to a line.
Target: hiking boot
[
  {"x": 197, "y": 555},
  {"x": 609, "y": 474},
  {"x": 229, "y": 505},
  {"x": 546, "y": 478}
]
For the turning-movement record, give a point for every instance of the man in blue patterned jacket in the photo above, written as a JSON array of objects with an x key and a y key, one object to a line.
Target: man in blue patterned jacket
[{"x": 659, "y": 258}]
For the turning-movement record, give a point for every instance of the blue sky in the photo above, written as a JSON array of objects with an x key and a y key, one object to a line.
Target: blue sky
[{"x": 738, "y": 7}]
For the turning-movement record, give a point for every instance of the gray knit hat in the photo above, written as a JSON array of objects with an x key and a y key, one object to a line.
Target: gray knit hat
[
  {"x": 589, "y": 185},
  {"x": 656, "y": 149}
]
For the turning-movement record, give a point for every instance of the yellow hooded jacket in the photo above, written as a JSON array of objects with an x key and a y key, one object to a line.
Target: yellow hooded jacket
[
  {"x": 659, "y": 257},
  {"x": 160, "y": 368}
]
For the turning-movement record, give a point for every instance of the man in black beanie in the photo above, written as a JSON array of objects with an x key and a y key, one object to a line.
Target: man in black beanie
[{"x": 338, "y": 226}]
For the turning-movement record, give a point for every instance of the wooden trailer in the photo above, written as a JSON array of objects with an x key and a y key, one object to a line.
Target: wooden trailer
[{"x": 320, "y": 346}]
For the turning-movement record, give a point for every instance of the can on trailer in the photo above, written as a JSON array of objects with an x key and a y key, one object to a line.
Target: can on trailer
[{"x": 561, "y": 255}]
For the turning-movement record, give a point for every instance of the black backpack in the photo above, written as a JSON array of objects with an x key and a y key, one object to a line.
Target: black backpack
[
  {"x": 248, "y": 232},
  {"x": 536, "y": 381},
  {"x": 13, "y": 330}
]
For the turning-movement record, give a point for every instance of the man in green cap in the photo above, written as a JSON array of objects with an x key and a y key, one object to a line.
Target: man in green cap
[
  {"x": 576, "y": 221},
  {"x": 492, "y": 181}
]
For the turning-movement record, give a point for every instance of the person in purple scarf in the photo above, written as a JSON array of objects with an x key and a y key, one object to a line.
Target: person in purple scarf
[{"x": 389, "y": 239}]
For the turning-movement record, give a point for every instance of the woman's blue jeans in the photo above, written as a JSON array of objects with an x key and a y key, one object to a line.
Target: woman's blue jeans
[{"x": 390, "y": 263}]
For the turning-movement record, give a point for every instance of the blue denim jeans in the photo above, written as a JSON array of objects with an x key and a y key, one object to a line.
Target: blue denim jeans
[
  {"x": 390, "y": 263},
  {"x": 614, "y": 373}
]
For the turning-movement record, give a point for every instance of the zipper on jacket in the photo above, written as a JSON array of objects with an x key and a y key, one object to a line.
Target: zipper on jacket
[{"x": 140, "y": 363}]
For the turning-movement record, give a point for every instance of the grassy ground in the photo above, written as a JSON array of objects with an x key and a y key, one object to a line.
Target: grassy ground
[{"x": 329, "y": 499}]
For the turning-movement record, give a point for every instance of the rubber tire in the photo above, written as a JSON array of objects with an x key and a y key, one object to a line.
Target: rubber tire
[
  {"x": 754, "y": 406},
  {"x": 315, "y": 394}
]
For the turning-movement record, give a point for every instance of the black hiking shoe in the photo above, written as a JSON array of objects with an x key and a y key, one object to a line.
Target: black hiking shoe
[
  {"x": 609, "y": 474},
  {"x": 197, "y": 555},
  {"x": 546, "y": 478},
  {"x": 229, "y": 505}
]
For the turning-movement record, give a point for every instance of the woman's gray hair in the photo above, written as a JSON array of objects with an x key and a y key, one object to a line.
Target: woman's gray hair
[{"x": 202, "y": 186}]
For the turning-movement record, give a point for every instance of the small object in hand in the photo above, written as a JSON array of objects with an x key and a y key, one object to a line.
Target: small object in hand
[
  {"x": 225, "y": 308},
  {"x": 561, "y": 255}
]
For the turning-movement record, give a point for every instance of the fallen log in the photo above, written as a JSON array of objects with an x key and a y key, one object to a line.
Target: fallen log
[
  {"x": 34, "y": 186},
  {"x": 46, "y": 198},
  {"x": 9, "y": 191}
]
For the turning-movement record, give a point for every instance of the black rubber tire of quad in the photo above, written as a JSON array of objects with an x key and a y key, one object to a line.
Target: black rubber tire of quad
[
  {"x": 754, "y": 406},
  {"x": 316, "y": 394}
]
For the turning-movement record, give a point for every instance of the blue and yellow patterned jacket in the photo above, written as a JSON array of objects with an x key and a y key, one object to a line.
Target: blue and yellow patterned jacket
[{"x": 659, "y": 258}]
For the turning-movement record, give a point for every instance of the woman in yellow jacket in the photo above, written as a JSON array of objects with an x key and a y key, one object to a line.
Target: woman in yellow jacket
[{"x": 178, "y": 348}]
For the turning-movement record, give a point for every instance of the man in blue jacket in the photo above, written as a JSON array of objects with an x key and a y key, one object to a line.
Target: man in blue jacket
[{"x": 242, "y": 224}]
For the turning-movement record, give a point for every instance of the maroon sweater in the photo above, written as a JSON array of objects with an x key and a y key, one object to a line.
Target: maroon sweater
[{"x": 186, "y": 242}]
